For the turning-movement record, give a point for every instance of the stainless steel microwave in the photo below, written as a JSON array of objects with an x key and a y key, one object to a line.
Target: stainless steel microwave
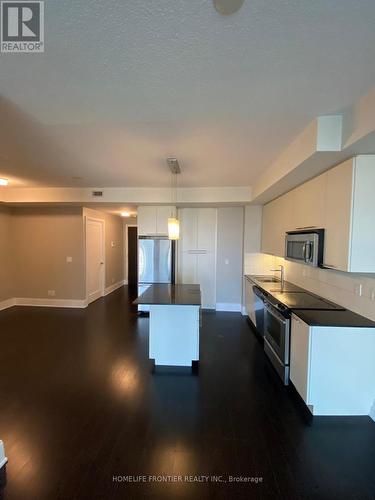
[{"x": 305, "y": 247}]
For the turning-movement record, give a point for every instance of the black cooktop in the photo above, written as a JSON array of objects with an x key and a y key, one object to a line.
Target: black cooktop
[{"x": 304, "y": 300}]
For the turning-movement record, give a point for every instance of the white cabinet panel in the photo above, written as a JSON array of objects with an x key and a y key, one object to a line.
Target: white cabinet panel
[
  {"x": 299, "y": 356},
  {"x": 153, "y": 220},
  {"x": 146, "y": 221},
  {"x": 277, "y": 220},
  {"x": 338, "y": 216},
  {"x": 197, "y": 251},
  {"x": 206, "y": 278},
  {"x": 309, "y": 202},
  {"x": 187, "y": 268},
  {"x": 188, "y": 229},
  {"x": 206, "y": 234}
]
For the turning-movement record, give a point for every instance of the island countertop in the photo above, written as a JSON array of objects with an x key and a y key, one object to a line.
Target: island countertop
[{"x": 179, "y": 295}]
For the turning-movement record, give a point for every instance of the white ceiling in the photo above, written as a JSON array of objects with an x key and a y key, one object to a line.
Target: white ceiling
[{"x": 123, "y": 85}]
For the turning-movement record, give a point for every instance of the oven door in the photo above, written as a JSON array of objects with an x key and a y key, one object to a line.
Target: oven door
[
  {"x": 302, "y": 248},
  {"x": 276, "y": 332}
]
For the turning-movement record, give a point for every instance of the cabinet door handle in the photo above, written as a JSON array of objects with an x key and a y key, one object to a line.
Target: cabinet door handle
[
  {"x": 307, "y": 227},
  {"x": 197, "y": 252}
]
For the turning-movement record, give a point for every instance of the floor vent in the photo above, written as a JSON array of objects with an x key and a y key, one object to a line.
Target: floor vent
[{"x": 97, "y": 194}]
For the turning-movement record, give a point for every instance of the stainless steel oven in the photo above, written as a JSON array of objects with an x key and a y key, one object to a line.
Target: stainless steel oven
[
  {"x": 305, "y": 246},
  {"x": 277, "y": 339}
]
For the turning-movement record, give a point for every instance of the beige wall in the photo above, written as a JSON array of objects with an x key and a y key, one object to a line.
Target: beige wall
[
  {"x": 42, "y": 239},
  {"x": 230, "y": 221},
  {"x": 114, "y": 255},
  {"x": 5, "y": 255}
]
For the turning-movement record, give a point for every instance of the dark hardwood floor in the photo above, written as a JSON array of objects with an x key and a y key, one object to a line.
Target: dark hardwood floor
[{"x": 79, "y": 406}]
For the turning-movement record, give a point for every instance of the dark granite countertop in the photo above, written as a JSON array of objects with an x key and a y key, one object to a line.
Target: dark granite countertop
[
  {"x": 344, "y": 318},
  {"x": 179, "y": 295},
  {"x": 314, "y": 317}
]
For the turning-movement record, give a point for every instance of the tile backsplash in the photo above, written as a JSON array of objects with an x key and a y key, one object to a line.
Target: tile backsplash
[{"x": 338, "y": 287}]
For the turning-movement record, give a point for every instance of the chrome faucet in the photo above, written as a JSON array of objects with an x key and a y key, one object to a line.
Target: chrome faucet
[{"x": 281, "y": 271}]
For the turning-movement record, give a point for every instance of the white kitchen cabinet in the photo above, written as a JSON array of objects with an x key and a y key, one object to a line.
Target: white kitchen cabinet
[
  {"x": 339, "y": 201},
  {"x": 197, "y": 251},
  {"x": 349, "y": 236},
  {"x": 188, "y": 229},
  {"x": 277, "y": 220},
  {"x": 332, "y": 368},
  {"x": 153, "y": 220},
  {"x": 198, "y": 229},
  {"x": 299, "y": 356},
  {"x": 309, "y": 204}
]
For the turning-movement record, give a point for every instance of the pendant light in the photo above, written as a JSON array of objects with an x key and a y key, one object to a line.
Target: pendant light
[
  {"x": 173, "y": 222},
  {"x": 228, "y": 7}
]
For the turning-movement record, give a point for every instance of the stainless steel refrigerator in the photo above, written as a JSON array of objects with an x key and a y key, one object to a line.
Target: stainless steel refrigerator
[{"x": 156, "y": 263}]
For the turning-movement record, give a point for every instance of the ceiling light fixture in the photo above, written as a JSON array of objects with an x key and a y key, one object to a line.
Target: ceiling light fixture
[
  {"x": 125, "y": 214},
  {"x": 173, "y": 222},
  {"x": 4, "y": 182},
  {"x": 228, "y": 7}
]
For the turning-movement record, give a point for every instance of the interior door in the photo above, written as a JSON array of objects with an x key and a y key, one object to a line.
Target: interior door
[{"x": 94, "y": 259}]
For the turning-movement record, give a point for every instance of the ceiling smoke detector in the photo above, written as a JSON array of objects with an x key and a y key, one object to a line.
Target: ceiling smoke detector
[{"x": 228, "y": 7}]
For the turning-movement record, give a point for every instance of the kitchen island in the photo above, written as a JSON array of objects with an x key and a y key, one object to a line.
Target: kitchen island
[{"x": 174, "y": 323}]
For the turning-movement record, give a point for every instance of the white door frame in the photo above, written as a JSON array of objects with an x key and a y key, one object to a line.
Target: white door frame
[
  {"x": 102, "y": 287},
  {"x": 126, "y": 266}
]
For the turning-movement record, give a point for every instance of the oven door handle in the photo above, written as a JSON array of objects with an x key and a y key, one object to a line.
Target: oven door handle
[
  {"x": 276, "y": 315},
  {"x": 308, "y": 251}
]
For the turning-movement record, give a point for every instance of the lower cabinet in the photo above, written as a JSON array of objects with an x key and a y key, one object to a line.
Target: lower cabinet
[{"x": 333, "y": 368}]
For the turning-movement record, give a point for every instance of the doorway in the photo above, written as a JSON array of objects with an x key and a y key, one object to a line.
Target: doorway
[
  {"x": 132, "y": 253},
  {"x": 95, "y": 259}
]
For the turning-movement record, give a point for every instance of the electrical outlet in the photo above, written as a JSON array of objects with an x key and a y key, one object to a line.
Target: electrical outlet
[
  {"x": 113, "y": 244},
  {"x": 372, "y": 293},
  {"x": 69, "y": 260},
  {"x": 51, "y": 293},
  {"x": 358, "y": 289}
]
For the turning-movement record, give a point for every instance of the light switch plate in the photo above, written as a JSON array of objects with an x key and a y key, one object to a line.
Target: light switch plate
[
  {"x": 358, "y": 289},
  {"x": 51, "y": 293},
  {"x": 69, "y": 260}
]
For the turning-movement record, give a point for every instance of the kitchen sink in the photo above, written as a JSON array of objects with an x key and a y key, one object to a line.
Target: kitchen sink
[{"x": 267, "y": 279}]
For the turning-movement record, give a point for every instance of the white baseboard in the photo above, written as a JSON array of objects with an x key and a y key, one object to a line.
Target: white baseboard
[
  {"x": 5, "y": 304},
  {"x": 3, "y": 458},
  {"x": 114, "y": 287},
  {"x": 72, "y": 303},
  {"x": 228, "y": 307}
]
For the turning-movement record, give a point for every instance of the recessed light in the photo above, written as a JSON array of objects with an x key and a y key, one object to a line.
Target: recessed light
[
  {"x": 4, "y": 182},
  {"x": 125, "y": 214},
  {"x": 227, "y": 7}
]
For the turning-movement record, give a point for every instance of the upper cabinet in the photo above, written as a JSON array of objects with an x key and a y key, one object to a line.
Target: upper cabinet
[
  {"x": 309, "y": 204},
  {"x": 197, "y": 229},
  {"x": 339, "y": 201},
  {"x": 153, "y": 221},
  {"x": 350, "y": 213},
  {"x": 277, "y": 219}
]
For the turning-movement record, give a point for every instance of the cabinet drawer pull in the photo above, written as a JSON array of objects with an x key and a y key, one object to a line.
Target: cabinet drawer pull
[
  {"x": 197, "y": 252},
  {"x": 307, "y": 227}
]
